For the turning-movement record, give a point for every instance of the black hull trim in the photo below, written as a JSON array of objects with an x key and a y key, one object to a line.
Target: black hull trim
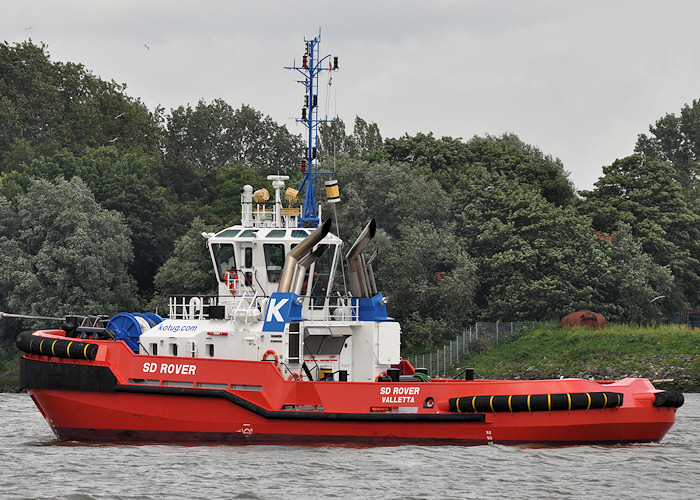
[
  {"x": 35, "y": 374},
  {"x": 111, "y": 436}
]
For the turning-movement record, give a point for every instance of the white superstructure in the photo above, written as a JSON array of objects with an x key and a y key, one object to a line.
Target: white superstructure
[{"x": 277, "y": 299}]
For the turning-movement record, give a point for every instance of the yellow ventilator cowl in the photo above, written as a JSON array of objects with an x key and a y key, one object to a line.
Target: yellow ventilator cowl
[
  {"x": 291, "y": 195},
  {"x": 261, "y": 196},
  {"x": 332, "y": 191}
]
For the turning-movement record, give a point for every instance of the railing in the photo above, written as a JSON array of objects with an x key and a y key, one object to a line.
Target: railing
[
  {"x": 191, "y": 306},
  {"x": 441, "y": 361},
  {"x": 343, "y": 310},
  {"x": 247, "y": 306},
  {"x": 250, "y": 306}
]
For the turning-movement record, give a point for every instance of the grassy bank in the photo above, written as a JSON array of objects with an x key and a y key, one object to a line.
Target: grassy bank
[{"x": 659, "y": 353}]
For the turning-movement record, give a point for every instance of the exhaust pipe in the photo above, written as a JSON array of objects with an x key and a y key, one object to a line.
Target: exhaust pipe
[
  {"x": 302, "y": 266},
  {"x": 297, "y": 253},
  {"x": 360, "y": 283}
]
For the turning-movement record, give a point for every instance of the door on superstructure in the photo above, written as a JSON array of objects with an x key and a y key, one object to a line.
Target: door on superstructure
[{"x": 247, "y": 264}]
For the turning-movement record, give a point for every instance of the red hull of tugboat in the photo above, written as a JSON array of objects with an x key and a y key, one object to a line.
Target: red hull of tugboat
[
  {"x": 124, "y": 397},
  {"x": 137, "y": 418}
]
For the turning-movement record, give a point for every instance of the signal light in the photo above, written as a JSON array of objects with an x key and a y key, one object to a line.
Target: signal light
[
  {"x": 303, "y": 113},
  {"x": 305, "y": 61},
  {"x": 313, "y": 152},
  {"x": 335, "y": 62},
  {"x": 303, "y": 166}
]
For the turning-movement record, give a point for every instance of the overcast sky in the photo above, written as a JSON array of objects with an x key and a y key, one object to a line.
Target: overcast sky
[{"x": 578, "y": 79}]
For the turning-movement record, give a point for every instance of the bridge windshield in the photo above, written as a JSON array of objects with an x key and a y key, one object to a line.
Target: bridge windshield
[{"x": 224, "y": 258}]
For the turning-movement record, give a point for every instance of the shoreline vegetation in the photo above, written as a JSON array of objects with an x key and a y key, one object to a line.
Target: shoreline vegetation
[{"x": 668, "y": 355}]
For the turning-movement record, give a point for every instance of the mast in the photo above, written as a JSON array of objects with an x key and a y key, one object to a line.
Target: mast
[{"x": 311, "y": 67}]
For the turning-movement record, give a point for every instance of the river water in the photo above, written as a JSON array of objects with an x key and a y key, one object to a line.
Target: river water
[{"x": 35, "y": 465}]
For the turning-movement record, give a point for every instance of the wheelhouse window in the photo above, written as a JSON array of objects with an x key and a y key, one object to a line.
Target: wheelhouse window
[
  {"x": 248, "y": 257},
  {"x": 322, "y": 274},
  {"x": 274, "y": 261},
  {"x": 224, "y": 258}
]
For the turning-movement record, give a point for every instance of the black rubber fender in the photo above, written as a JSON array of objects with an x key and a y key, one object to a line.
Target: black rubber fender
[
  {"x": 669, "y": 399},
  {"x": 536, "y": 402},
  {"x": 60, "y": 348}
]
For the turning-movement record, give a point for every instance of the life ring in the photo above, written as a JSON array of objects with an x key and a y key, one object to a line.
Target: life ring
[
  {"x": 231, "y": 278},
  {"x": 383, "y": 374},
  {"x": 294, "y": 376},
  {"x": 270, "y": 351}
]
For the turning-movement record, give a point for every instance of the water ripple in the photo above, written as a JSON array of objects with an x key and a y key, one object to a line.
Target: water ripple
[{"x": 35, "y": 465}]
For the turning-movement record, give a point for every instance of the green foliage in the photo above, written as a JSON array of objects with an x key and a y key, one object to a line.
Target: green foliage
[
  {"x": 618, "y": 351},
  {"x": 47, "y": 106},
  {"x": 365, "y": 137},
  {"x": 535, "y": 260},
  {"x": 189, "y": 270},
  {"x": 63, "y": 253},
  {"x": 449, "y": 160},
  {"x": 214, "y": 135},
  {"x": 676, "y": 140},
  {"x": 631, "y": 281},
  {"x": 643, "y": 194},
  {"x": 123, "y": 181},
  {"x": 333, "y": 141},
  {"x": 389, "y": 193},
  {"x": 229, "y": 181},
  {"x": 429, "y": 281},
  {"x": 488, "y": 228}
]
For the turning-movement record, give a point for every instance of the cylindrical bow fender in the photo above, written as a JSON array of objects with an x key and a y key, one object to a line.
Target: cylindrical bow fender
[{"x": 60, "y": 348}]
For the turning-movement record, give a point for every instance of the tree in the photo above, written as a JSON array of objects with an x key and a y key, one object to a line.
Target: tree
[
  {"x": 676, "y": 139},
  {"x": 642, "y": 193},
  {"x": 445, "y": 160},
  {"x": 429, "y": 281},
  {"x": 389, "y": 193},
  {"x": 535, "y": 260},
  {"x": 226, "y": 209},
  {"x": 63, "y": 253},
  {"x": 46, "y": 107},
  {"x": 189, "y": 270},
  {"x": 332, "y": 139},
  {"x": 524, "y": 163},
  {"x": 214, "y": 135},
  {"x": 124, "y": 181},
  {"x": 633, "y": 283},
  {"x": 365, "y": 137}
]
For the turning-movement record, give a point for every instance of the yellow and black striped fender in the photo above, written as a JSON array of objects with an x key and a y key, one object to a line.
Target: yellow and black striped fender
[
  {"x": 535, "y": 402},
  {"x": 60, "y": 348}
]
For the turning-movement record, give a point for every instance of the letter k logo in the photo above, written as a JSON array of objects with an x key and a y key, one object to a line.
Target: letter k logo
[{"x": 273, "y": 310}]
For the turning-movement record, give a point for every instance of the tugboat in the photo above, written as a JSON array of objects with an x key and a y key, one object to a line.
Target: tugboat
[{"x": 281, "y": 356}]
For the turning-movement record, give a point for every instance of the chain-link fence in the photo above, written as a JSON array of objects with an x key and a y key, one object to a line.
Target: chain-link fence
[{"x": 440, "y": 362}]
